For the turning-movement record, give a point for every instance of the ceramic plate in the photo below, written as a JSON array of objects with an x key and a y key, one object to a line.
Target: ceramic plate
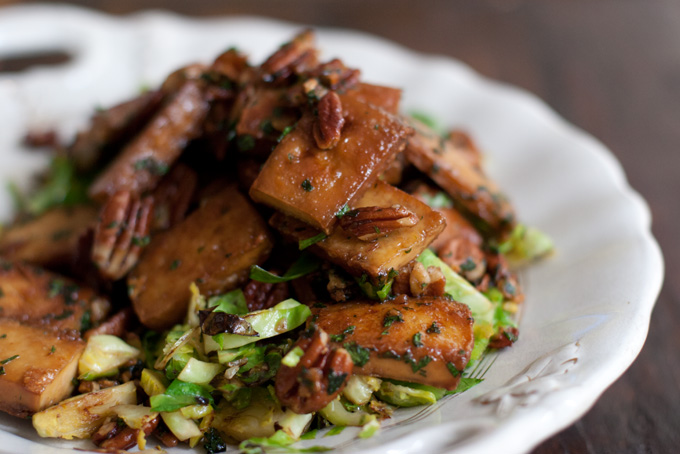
[{"x": 587, "y": 308}]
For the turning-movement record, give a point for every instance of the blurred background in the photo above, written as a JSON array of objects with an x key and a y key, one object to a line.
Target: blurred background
[{"x": 611, "y": 67}]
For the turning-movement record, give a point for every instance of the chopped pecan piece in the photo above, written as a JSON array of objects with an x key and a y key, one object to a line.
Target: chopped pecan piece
[
  {"x": 328, "y": 125},
  {"x": 262, "y": 295},
  {"x": 321, "y": 373},
  {"x": 426, "y": 282},
  {"x": 121, "y": 233},
  {"x": 284, "y": 61},
  {"x": 368, "y": 223},
  {"x": 505, "y": 337}
]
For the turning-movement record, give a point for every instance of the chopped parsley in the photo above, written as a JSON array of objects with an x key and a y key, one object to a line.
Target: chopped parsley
[
  {"x": 175, "y": 264},
  {"x": 341, "y": 337},
  {"x": 417, "y": 341},
  {"x": 342, "y": 211},
  {"x": 152, "y": 166},
  {"x": 360, "y": 355},
  {"x": 434, "y": 328},
  {"x": 335, "y": 381},
  {"x": 307, "y": 185}
]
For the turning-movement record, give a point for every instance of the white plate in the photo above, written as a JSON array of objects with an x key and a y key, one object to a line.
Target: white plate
[{"x": 587, "y": 308}]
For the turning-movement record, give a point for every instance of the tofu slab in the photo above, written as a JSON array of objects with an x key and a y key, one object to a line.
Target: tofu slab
[
  {"x": 42, "y": 373},
  {"x": 377, "y": 257},
  {"x": 32, "y": 295},
  {"x": 420, "y": 340},
  {"x": 51, "y": 239},
  {"x": 452, "y": 168},
  {"x": 311, "y": 184},
  {"x": 215, "y": 247}
]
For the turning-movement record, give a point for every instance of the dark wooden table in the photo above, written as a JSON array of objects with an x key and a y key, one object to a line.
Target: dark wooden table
[{"x": 612, "y": 67}]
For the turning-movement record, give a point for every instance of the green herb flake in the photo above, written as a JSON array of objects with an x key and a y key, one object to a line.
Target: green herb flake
[
  {"x": 2, "y": 293},
  {"x": 335, "y": 381},
  {"x": 468, "y": 265},
  {"x": 342, "y": 211},
  {"x": 245, "y": 142},
  {"x": 307, "y": 263},
  {"x": 141, "y": 241},
  {"x": 53, "y": 349},
  {"x": 417, "y": 339},
  {"x": 341, "y": 337},
  {"x": 152, "y": 166},
  {"x": 424, "y": 361},
  {"x": 175, "y": 264},
  {"x": 434, "y": 329},
  {"x": 307, "y": 185},
  {"x": 3, "y": 336},
  {"x": 453, "y": 369},
  {"x": 86, "y": 321},
  {"x": 9, "y": 360},
  {"x": 285, "y": 132},
  {"x": 391, "y": 318},
  {"x": 304, "y": 244},
  {"x": 360, "y": 355}
]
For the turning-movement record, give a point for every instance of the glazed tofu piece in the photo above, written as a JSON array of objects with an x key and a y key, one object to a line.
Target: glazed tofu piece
[
  {"x": 40, "y": 364},
  {"x": 386, "y": 98},
  {"x": 214, "y": 247},
  {"x": 311, "y": 184},
  {"x": 454, "y": 167},
  {"x": 149, "y": 156},
  {"x": 51, "y": 239},
  {"x": 389, "y": 250},
  {"x": 421, "y": 340},
  {"x": 35, "y": 296}
]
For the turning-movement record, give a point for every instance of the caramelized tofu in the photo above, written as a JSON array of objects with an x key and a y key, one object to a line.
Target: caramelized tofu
[
  {"x": 215, "y": 247},
  {"x": 454, "y": 168},
  {"x": 149, "y": 156},
  {"x": 312, "y": 185},
  {"x": 377, "y": 257},
  {"x": 420, "y": 340},
  {"x": 46, "y": 361},
  {"x": 386, "y": 98},
  {"x": 259, "y": 107},
  {"x": 51, "y": 239},
  {"x": 36, "y": 296}
]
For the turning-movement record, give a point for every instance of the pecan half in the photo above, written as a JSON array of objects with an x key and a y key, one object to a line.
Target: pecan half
[
  {"x": 328, "y": 125},
  {"x": 112, "y": 437},
  {"x": 121, "y": 233},
  {"x": 262, "y": 295},
  {"x": 369, "y": 223},
  {"x": 323, "y": 371},
  {"x": 335, "y": 75},
  {"x": 283, "y": 62}
]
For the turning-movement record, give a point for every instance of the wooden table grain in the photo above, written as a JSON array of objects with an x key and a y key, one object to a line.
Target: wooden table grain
[{"x": 611, "y": 67}]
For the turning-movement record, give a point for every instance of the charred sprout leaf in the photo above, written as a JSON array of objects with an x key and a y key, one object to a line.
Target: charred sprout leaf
[
  {"x": 233, "y": 302},
  {"x": 306, "y": 264},
  {"x": 180, "y": 394},
  {"x": 304, "y": 244},
  {"x": 526, "y": 244},
  {"x": 213, "y": 442},
  {"x": 63, "y": 186},
  {"x": 213, "y": 323}
]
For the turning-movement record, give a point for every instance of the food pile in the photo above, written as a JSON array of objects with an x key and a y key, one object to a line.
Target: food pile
[{"x": 248, "y": 253}]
